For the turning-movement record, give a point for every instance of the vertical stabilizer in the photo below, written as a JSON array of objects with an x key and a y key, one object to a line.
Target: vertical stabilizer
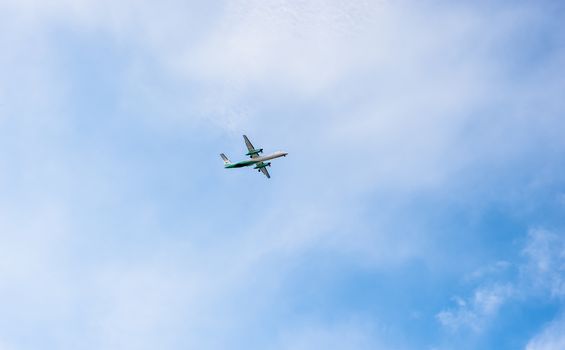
[{"x": 225, "y": 159}]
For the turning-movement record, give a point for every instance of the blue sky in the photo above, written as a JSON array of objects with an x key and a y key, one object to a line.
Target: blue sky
[{"x": 422, "y": 205}]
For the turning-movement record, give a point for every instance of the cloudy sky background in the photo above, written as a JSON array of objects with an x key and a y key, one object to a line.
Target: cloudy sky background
[{"x": 422, "y": 205}]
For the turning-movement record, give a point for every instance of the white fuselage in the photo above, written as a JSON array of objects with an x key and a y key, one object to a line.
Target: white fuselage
[{"x": 277, "y": 154}]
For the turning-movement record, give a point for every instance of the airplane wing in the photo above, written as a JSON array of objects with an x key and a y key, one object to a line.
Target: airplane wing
[
  {"x": 264, "y": 171},
  {"x": 252, "y": 151}
]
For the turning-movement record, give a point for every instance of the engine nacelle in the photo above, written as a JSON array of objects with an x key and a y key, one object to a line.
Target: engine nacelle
[
  {"x": 264, "y": 165},
  {"x": 254, "y": 152}
]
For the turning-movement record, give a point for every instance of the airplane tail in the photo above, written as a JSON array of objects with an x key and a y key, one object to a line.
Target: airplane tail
[{"x": 226, "y": 160}]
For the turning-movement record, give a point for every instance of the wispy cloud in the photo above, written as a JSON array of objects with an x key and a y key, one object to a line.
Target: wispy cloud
[
  {"x": 541, "y": 272},
  {"x": 552, "y": 337},
  {"x": 476, "y": 312},
  {"x": 545, "y": 251}
]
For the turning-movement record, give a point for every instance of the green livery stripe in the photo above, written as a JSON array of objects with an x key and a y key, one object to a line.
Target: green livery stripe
[{"x": 241, "y": 164}]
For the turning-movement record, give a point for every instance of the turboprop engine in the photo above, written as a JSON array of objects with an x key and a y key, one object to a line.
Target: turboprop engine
[
  {"x": 254, "y": 152},
  {"x": 262, "y": 165}
]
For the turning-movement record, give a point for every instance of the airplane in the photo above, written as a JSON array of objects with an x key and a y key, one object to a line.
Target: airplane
[{"x": 257, "y": 160}]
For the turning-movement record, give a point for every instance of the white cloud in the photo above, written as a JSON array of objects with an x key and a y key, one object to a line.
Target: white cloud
[
  {"x": 542, "y": 273},
  {"x": 552, "y": 337},
  {"x": 304, "y": 46},
  {"x": 476, "y": 312},
  {"x": 545, "y": 251}
]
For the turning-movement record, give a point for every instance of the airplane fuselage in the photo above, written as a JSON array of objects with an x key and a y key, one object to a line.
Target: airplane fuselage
[{"x": 253, "y": 161}]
